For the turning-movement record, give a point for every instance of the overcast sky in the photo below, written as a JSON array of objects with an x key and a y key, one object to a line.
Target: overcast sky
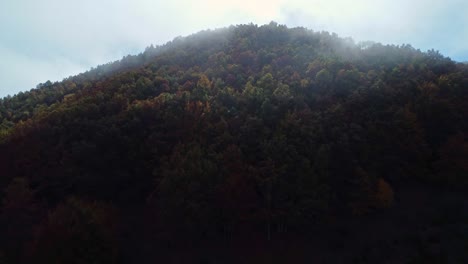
[{"x": 53, "y": 39}]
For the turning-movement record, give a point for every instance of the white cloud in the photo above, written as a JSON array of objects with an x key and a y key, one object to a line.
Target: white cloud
[{"x": 21, "y": 73}]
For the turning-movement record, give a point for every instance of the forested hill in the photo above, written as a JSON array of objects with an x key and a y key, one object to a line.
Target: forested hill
[{"x": 261, "y": 130}]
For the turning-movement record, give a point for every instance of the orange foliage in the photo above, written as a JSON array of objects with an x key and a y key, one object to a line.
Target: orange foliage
[{"x": 384, "y": 196}]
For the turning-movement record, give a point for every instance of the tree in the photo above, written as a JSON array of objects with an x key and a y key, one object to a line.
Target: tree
[
  {"x": 452, "y": 167},
  {"x": 282, "y": 92},
  {"x": 266, "y": 82},
  {"x": 324, "y": 78},
  {"x": 19, "y": 213},
  {"x": 384, "y": 196},
  {"x": 77, "y": 231},
  {"x": 185, "y": 191}
]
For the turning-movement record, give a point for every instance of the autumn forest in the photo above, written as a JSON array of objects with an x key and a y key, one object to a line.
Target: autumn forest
[{"x": 246, "y": 144}]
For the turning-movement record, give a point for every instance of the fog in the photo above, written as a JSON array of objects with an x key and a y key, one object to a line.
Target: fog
[{"x": 54, "y": 39}]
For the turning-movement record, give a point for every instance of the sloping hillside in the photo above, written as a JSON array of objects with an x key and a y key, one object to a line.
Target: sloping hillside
[{"x": 247, "y": 133}]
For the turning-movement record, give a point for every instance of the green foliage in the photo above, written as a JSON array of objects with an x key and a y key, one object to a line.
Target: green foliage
[
  {"x": 282, "y": 92},
  {"x": 324, "y": 78}
]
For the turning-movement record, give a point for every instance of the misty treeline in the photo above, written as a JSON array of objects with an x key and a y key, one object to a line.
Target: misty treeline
[{"x": 248, "y": 129}]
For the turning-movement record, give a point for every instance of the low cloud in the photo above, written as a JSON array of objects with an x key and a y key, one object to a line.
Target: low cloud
[
  {"x": 20, "y": 72},
  {"x": 437, "y": 24}
]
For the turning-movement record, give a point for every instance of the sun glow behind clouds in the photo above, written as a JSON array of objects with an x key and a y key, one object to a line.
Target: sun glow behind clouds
[{"x": 53, "y": 39}]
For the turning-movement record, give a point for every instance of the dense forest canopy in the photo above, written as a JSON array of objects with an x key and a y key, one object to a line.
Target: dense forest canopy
[{"x": 246, "y": 129}]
